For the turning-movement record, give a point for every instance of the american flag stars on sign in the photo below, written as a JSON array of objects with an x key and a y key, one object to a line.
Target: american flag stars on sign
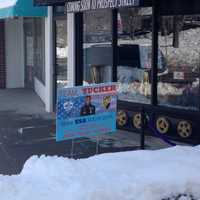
[{"x": 65, "y": 112}]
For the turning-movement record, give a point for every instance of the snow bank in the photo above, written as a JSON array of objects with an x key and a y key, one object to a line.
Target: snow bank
[{"x": 138, "y": 175}]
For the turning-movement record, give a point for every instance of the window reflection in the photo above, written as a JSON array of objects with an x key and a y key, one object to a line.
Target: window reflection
[
  {"x": 97, "y": 46},
  {"x": 61, "y": 52},
  {"x": 35, "y": 50},
  {"x": 134, "y": 63},
  {"x": 179, "y": 41}
]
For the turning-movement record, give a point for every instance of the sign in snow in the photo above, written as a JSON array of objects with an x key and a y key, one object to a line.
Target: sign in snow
[
  {"x": 84, "y": 5},
  {"x": 86, "y": 111}
]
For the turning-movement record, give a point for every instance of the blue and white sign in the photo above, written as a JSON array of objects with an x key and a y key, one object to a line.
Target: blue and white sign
[{"x": 86, "y": 111}]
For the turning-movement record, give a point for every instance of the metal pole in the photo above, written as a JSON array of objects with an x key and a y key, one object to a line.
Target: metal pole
[
  {"x": 97, "y": 146},
  {"x": 114, "y": 44},
  {"x": 142, "y": 135},
  {"x": 79, "y": 49},
  {"x": 154, "y": 71}
]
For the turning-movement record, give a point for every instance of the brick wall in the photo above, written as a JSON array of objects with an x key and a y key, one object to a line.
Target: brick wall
[{"x": 2, "y": 56}]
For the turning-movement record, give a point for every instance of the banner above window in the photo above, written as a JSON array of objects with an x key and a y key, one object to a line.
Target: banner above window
[
  {"x": 166, "y": 7},
  {"x": 20, "y": 8},
  {"x": 85, "y": 5}
]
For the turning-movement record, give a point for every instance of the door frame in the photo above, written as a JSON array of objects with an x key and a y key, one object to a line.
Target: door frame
[{"x": 27, "y": 83}]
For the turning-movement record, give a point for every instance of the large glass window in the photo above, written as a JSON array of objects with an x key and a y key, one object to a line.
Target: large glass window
[
  {"x": 61, "y": 52},
  {"x": 134, "y": 54},
  {"x": 29, "y": 52},
  {"x": 97, "y": 46},
  {"x": 179, "y": 42},
  {"x": 178, "y": 55},
  {"x": 34, "y": 30},
  {"x": 39, "y": 49}
]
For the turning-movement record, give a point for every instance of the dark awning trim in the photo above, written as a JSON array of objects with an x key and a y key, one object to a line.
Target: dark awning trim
[
  {"x": 86, "y": 5},
  {"x": 48, "y": 2}
]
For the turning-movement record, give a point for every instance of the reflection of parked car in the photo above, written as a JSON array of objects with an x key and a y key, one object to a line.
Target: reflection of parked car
[
  {"x": 139, "y": 57},
  {"x": 135, "y": 57}
]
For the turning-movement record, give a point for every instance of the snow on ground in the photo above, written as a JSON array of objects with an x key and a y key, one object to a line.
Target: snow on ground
[{"x": 138, "y": 175}]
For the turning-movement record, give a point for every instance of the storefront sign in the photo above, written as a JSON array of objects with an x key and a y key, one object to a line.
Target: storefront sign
[
  {"x": 84, "y": 5},
  {"x": 86, "y": 111}
]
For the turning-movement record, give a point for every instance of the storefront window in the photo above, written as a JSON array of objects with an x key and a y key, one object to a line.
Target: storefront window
[
  {"x": 34, "y": 39},
  {"x": 39, "y": 49},
  {"x": 97, "y": 46},
  {"x": 134, "y": 54},
  {"x": 179, "y": 42},
  {"x": 61, "y": 52}
]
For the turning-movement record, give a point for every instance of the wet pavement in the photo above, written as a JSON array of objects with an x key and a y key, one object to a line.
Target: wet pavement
[
  {"x": 23, "y": 136},
  {"x": 27, "y": 130}
]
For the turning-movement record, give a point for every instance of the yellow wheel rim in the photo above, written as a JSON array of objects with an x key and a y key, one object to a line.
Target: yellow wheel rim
[
  {"x": 122, "y": 118},
  {"x": 162, "y": 125},
  {"x": 137, "y": 120},
  {"x": 184, "y": 129}
]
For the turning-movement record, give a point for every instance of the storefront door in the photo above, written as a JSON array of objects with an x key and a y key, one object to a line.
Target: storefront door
[
  {"x": 29, "y": 52},
  {"x": 34, "y": 41}
]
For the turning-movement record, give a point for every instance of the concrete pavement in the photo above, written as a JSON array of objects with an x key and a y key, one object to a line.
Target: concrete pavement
[{"x": 27, "y": 130}]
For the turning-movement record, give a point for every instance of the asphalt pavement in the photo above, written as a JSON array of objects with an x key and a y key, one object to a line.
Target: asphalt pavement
[{"x": 27, "y": 130}]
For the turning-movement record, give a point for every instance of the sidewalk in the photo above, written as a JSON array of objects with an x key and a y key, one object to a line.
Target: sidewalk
[
  {"x": 21, "y": 112},
  {"x": 26, "y": 130},
  {"x": 14, "y": 157}
]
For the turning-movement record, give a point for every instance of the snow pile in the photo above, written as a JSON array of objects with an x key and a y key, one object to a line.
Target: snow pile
[{"x": 139, "y": 175}]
